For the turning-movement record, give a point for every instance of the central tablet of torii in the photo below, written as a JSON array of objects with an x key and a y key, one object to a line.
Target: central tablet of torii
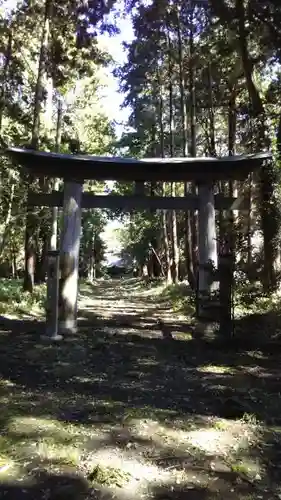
[{"x": 75, "y": 169}]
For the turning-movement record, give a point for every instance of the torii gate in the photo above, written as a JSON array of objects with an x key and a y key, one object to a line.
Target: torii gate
[{"x": 75, "y": 169}]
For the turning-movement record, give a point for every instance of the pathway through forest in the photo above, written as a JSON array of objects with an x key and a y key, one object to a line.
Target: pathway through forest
[
  {"x": 127, "y": 306},
  {"x": 132, "y": 408}
]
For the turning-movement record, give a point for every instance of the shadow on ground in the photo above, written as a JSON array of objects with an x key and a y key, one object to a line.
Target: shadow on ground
[{"x": 179, "y": 418}]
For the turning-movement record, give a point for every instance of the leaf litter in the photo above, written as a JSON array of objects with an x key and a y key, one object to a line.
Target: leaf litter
[{"x": 132, "y": 415}]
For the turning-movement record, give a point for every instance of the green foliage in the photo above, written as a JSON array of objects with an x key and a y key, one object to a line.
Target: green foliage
[
  {"x": 109, "y": 476},
  {"x": 13, "y": 301},
  {"x": 181, "y": 298},
  {"x": 190, "y": 59},
  {"x": 251, "y": 299},
  {"x": 137, "y": 235},
  {"x": 92, "y": 247},
  {"x": 38, "y": 74},
  {"x": 85, "y": 119}
]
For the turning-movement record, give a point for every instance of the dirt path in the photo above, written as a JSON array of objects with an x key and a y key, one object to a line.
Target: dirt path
[
  {"x": 129, "y": 304},
  {"x": 135, "y": 409}
]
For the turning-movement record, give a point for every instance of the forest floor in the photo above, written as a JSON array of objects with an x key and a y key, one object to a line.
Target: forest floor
[{"x": 133, "y": 407}]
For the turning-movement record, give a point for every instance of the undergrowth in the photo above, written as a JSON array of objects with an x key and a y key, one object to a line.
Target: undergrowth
[
  {"x": 181, "y": 298},
  {"x": 14, "y": 301},
  {"x": 248, "y": 299}
]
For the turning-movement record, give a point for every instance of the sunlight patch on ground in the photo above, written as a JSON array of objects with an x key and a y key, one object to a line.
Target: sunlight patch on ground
[
  {"x": 87, "y": 380},
  {"x": 213, "y": 441},
  {"x": 51, "y": 451},
  {"x": 9, "y": 469},
  {"x": 216, "y": 369},
  {"x": 30, "y": 442},
  {"x": 210, "y": 440},
  {"x": 132, "y": 303},
  {"x": 39, "y": 426},
  {"x": 44, "y": 427},
  {"x": 6, "y": 383},
  {"x": 157, "y": 290},
  {"x": 139, "y": 474},
  {"x": 186, "y": 336},
  {"x": 45, "y": 439},
  {"x": 130, "y": 440},
  {"x": 148, "y": 362},
  {"x": 169, "y": 316}
]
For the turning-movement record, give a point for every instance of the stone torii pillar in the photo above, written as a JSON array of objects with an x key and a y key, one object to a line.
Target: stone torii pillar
[
  {"x": 207, "y": 241},
  {"x": 69, "y": 256}
]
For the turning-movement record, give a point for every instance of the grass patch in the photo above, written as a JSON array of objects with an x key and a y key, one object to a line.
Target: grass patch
[
  {"x": 256, "y": 314},
  {"x": 93, "y": 405},
  {"x": 49, "y": 450},
  {"x": 240, "y": 468},
  {"x": 250, "y": 299},
  {"x": 216, "y": 369},
  {"x": 146, "y": 412},
  {"x": 250, "y": 418},
  {"x": 19, "y": 304},
  {"x": 109, "y": 476},
  {"x": 15, "y": 302},
  {"x": 247, "y": 468},
  {"x": 221, "y": 425},
  {"x": 181, "y": 298},
  {"x": 36, "y": 440}
]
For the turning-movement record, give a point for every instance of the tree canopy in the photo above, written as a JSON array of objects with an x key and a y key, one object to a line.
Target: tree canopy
[{"x": 200, "y": 78}]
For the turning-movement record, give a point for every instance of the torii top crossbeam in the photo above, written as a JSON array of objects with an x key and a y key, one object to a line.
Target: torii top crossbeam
[{"x": 81, "y": 167}]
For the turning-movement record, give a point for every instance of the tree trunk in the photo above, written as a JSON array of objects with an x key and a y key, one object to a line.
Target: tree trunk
[
  {"x": 212, "y": 135},
  {"x": 189, "y": 217},
  {"x": 232, "y": 121},
  {"x": 175, "y": 248},
  {"x": 192, "y": 222},
  {"x": 249, "y": 224},
  {"x": 54, "y": 223},
  {"x": 30, "y": 254},
  {"x": 163, "y": 212},
  {"x": 232, "y": 185},
  {"x": 8, "y": 217},
  {"x": 192, "y": 90},
  {"x": 212, "y": 150},
  {"x": 166, "y": 242},
  {"x": 48, "y": 107},
  {"x": 189, "y": 256},
  {"x": 4, "y": 78},
  {"x": 10, "y": 180},
  {"x": 278, "y": 146},
  {"x": 41, "y": 261},
  {"x": 182, "y": 87},
  {"x": 175, "y": 263},
  {"x": 92, "y": 269},
  {"x": 38, "y": 96},
  {"x": 161, "y": 113},
  {"x": 269, "y": 208}
]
